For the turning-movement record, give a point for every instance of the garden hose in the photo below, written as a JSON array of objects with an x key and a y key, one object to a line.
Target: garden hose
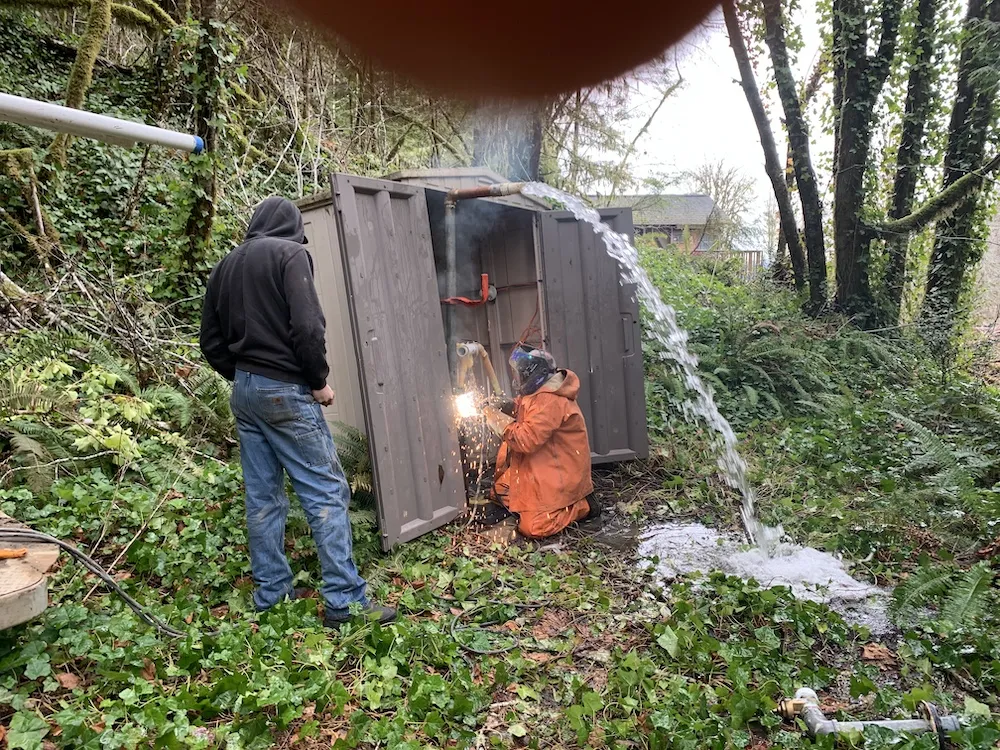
[{"x": 29, "y": 535}]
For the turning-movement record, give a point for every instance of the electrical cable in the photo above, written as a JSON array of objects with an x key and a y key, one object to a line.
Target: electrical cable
[{"x": 30, "y": 535}]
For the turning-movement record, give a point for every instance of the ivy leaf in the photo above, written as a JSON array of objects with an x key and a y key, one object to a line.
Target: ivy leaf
[
  {"x": 592, "y": 702},
  {"x": 26, "y": 732},
  {"x": 768, "y": 637},
  {"x": 667, "y": 640},
  {"x": 974, "y": 708},
  {"x": 517, "y": 730},
  {"x": 38, "y": 666}
]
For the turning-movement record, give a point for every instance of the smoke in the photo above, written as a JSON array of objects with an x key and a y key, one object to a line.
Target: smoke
[{"x": 476, "y": 221}]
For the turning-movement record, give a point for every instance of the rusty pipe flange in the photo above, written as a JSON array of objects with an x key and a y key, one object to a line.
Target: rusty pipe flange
[{"x": 933, "y": 718}]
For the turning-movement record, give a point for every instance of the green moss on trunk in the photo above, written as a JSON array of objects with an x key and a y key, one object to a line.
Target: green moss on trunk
[{"x": 82, "y": 73}]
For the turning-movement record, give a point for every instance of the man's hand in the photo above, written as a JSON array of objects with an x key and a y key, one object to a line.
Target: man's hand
[
  {"x": 324, "y": 396},
  {"x": 496, "y": 420}
]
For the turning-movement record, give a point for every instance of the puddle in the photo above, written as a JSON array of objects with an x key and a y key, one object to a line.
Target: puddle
[
  {"x": 616, "y": 535},
  {"x": 810, "y": 574}
]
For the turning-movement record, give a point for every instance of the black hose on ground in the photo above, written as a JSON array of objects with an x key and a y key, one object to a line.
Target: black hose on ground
[{"x": 30, "y": 535}]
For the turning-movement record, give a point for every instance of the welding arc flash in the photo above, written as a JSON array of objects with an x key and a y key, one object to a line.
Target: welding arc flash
[{"x": 465, "y": 405}]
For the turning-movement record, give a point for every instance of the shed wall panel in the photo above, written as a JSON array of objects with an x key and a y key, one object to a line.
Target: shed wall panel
[
  {"x": 593, "y": 329},
  {"x": 398, "y": 330},
  {"x": 324, "y": 246}
]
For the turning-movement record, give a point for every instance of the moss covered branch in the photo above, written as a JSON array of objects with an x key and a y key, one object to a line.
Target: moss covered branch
[
  {"x": 152, "y": 9},
  {"x": 124, "y": 14},
  {"x": 941, "y": 204},
  {"x": 18, "y": 164}
]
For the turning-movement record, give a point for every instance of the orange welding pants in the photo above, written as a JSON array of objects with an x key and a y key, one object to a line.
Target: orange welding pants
[
  {"x": 546, "y": 523},
  {"x": 543, "y": 466}
]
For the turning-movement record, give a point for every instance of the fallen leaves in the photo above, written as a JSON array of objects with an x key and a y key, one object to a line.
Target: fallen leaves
[
  {"x": 554, "y": 622},
  {"x": 877, "y": 653},
  {"x": 539, "y": 657},
  {"x": 68, "y": 680}
]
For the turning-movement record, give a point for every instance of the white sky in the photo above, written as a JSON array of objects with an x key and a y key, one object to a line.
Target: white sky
[{"x": 709, "y": 119}]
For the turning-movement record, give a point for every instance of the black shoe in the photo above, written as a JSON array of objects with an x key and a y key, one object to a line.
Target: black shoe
[
  {"x": 371, "y": 613},
  {"x": 595, "y": 508},
  {"x": 491, "y": 514}
]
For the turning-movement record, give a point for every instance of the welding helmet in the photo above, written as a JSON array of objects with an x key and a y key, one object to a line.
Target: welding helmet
[{"x": 531, "y": 368}]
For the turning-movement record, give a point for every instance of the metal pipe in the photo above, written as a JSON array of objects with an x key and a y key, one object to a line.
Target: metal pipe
[
  {"x": 451, "y": 200},
  {"x": 91, "y": 125},
  {"x": 805, "y": 705}
]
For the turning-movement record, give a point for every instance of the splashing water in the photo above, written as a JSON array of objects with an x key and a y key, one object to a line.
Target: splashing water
[
  {"x": 674, "y": 349},
  {"x": 679, "y": 549}
]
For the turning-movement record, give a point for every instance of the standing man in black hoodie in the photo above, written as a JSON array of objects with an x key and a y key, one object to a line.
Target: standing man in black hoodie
[{"x": 262, "y": 327}]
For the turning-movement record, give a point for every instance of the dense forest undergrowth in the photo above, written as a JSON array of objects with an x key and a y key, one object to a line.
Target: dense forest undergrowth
[
  {"x": 860, "y": 444},
  {"x": 115, "y": 437}
]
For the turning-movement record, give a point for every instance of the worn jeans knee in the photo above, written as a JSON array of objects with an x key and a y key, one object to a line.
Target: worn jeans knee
[{"x": 282, "y": 430}]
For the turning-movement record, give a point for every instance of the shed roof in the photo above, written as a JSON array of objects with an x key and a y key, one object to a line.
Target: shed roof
[{"x": 683, "y": 210}]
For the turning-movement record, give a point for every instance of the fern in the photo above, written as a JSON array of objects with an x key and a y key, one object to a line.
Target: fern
[
  {"x": 101, "y": 356},
  {"x": 209, "y": 401},
  {"x": 935, "y": 453},
  {"x": 352, "y": 449},
  {"x": 968, "y": 596},
  {"x": 171, "y": 401},
  {"x": 923, "y": 586},
  {"x": 28, "y": 396}
]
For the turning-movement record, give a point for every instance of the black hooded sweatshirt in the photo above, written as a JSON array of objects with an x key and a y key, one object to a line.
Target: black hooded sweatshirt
[{"x": 261, "y": 312}]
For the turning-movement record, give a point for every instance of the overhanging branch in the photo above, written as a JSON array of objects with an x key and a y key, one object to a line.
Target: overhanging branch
[{"x": 941, "y": 204}]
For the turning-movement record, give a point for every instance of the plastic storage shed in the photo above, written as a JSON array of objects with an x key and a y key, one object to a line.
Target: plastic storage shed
[{"x": 378, "y": 250}]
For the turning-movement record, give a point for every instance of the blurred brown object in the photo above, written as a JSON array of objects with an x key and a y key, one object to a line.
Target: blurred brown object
[
  {"x": 13, "y": 554},
  {"x": 514, "y": 49}
]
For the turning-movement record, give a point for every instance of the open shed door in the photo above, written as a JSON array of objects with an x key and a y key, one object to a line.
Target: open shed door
[
  {"x": 593, "y": 329},
  {"x": 405, "y": 386}
]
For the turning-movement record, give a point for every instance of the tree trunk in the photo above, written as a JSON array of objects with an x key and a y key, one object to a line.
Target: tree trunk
[
  {"x": 859, "y": 80},
  {"x": 773, "y": 166},
  {"x": 205, "y": 184},
  {"x": 958, "y": 241},
  {"x": 810, "y": 91},
  {"x": 82, "y": 72},
  {"x": 919, "y": 99},
  {"x": 524, "y": 147},
  {"x": 508, "y": 140},
  {"x": 798, "y": 138}
]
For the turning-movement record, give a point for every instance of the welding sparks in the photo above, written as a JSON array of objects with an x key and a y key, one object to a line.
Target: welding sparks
[{"x": 465, "y": 405}]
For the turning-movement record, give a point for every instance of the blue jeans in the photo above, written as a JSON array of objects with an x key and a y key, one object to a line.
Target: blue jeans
[{"x": 281, "y": 427}]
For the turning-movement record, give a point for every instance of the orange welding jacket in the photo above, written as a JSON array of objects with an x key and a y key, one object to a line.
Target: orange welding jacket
[{"x": 544, "y": 462}]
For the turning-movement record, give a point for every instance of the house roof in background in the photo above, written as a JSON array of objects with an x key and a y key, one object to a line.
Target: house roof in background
[{"x": 682, "y": 210}]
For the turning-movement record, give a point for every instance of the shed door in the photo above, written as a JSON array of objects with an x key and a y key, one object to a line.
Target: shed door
[
  {"x": 593, "y": 329},
  {"x": 405, "y": 386}
]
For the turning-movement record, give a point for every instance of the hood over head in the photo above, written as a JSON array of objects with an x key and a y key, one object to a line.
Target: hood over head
[
  {"x": 279, "y": 219},
  {"x": 565, "y": 383}
]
